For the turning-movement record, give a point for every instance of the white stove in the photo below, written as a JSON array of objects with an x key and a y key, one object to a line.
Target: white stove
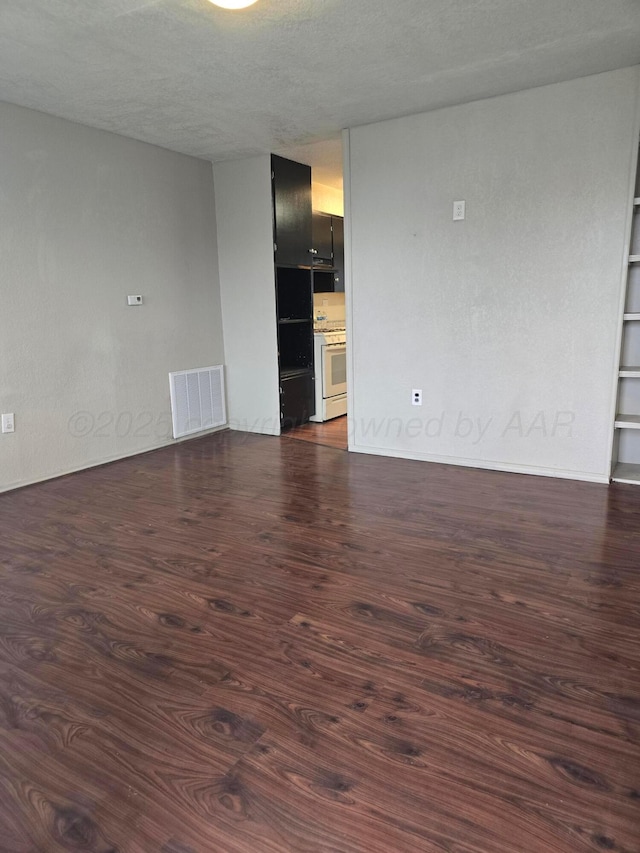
[
  {"x": 330, "y": 356},
  {"x": 332, "y": 336}
]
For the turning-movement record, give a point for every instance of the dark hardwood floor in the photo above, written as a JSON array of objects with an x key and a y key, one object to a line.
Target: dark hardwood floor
[
  {"x": 331, "y": 433},
  {"x": 253, "y": 644}
]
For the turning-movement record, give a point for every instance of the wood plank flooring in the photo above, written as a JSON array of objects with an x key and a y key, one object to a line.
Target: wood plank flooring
[
  {"x": 246, "y": 644},
  {"x": 331, "y": 433}
]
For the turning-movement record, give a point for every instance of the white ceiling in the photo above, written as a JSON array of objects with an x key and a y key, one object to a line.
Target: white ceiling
[{"x": 218, "y": 84}]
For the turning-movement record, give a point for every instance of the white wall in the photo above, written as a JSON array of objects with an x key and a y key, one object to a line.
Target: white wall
[
  {"x": 87, "y": 217},
  {"x": 327, "y": 199},
  {"x": 331, "y": 305},
  {"x": 245, "y": 245},
  {"x": 507, "y": 321}
]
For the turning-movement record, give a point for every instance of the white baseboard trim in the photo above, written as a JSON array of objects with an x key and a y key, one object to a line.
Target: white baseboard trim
[
  {"x": 558, "y": 473},
  {"x": 254, "y": 430},
  {"x": 20, "y": 484}
]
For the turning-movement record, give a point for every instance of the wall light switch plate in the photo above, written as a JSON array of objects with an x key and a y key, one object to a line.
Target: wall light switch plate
[
  {"x": 416, "y": 397},
  {"x": 458, "y": 210},
  {"x": 8, "y": 424},
  {"x": 134, "y": 300}
]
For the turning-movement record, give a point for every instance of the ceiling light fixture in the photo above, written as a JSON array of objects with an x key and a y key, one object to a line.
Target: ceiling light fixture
[{"x": 233, "y": 4}]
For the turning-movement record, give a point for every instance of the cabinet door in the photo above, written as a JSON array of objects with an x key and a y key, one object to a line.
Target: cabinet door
[
  {"x": 338, "y": 253},
  {"x": 291, "y": 211},
  {"x": 322, "y": 239},
  {"x": 323, "y": 281},
  {"x": 297, "y": 400}
]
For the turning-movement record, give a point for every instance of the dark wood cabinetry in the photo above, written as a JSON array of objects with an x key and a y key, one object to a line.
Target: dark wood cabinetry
[
  {"x": 294, "y": 290},
  {"x": 328, "y": 253},
  {"x": 291, "y": 212},
  {"x": 296, "y": 399},
  {"x": 337, "y": 225},
  {"x": 322, "y": 239},
  {"x": 294, "y": 300},
  {"x": 294, "y": 305},
  {"x": 323, "y": 281}
]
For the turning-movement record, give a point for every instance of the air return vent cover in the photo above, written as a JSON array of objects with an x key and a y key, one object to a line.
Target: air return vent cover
[{"x": 197, "y": 400}]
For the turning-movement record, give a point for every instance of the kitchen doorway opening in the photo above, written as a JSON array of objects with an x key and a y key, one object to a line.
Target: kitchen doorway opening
[{"x": 326, "y": 413}]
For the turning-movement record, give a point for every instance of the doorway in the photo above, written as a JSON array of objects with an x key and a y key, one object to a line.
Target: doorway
[{"x": 329, "y": 308}]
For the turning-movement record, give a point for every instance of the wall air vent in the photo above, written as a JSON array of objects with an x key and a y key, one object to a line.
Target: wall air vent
[{"x": 197, "y": 400}]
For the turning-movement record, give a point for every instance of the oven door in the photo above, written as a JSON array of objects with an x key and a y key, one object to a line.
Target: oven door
[{"x": 334, "y": 370}]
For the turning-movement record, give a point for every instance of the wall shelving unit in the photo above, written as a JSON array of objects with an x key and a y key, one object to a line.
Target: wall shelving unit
[
  {"x": 291, "y": 189},
  {"x": 626, "y": 444}
]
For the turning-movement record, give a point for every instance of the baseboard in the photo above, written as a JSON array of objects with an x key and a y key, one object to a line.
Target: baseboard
[
  {"x": 558, "y": 473},
  {"x": 21, "y": 484},
  {"x": 262, "y": 431}
]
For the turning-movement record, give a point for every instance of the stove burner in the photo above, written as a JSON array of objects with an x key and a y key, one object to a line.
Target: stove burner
[{"x": 327, "y": 327}]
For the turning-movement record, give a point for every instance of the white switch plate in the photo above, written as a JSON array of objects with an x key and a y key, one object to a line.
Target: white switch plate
[
  {"x": 134, "y": 300},
  {"x": 416, "y": 397},
  {"x": 458, "y": 210},
  {"x": 8, "y": 424}
]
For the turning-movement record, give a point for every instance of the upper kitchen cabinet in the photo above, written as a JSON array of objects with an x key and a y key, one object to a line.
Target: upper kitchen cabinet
[
  {"x": 322, "y": 239},
  {"x": 337, "y": 224},
  {"x": 291, "y": 212},
  {"x": 328, "y": 253}
]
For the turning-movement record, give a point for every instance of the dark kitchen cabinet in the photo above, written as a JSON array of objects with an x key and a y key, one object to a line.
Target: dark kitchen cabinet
[
  {"x": 328, "y": 267},
  {"x": 295, "y": 346},
  {"x": 323, "y": 281},
  {"x": 294, "y": 308},
  {"x": 322, "y": 239},
  {"x": 294, "y": 299},
  {"x": 292, "y": 221},
  {"x": 294, "y": 290},
  {"x": 337, "y": 224},
  {"x": 296, "y": 399}
]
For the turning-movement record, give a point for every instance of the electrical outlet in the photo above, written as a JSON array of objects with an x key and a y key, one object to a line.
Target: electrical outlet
[
  {"x": 416, "y": 397},
  {"x": 8, "y": 424},
  {"x": 458, "y": 210},
  {"x": 134, "y": 300}
]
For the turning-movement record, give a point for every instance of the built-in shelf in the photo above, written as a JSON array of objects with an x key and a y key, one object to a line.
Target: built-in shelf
[
  {"x": 625, "y": 466},
  {"x": 297, "y": 371},
  {"x": 626, "y": 472},
  {"x": 627, "y": 422}
]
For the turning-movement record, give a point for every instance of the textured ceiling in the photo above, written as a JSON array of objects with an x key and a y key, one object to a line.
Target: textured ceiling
[
  {"x": 218, "y": 84},
  {"x": 325, "y": 157}
]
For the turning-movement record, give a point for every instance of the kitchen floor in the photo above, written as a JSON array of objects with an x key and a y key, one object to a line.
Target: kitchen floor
[{"x": 331, "y": 433}]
